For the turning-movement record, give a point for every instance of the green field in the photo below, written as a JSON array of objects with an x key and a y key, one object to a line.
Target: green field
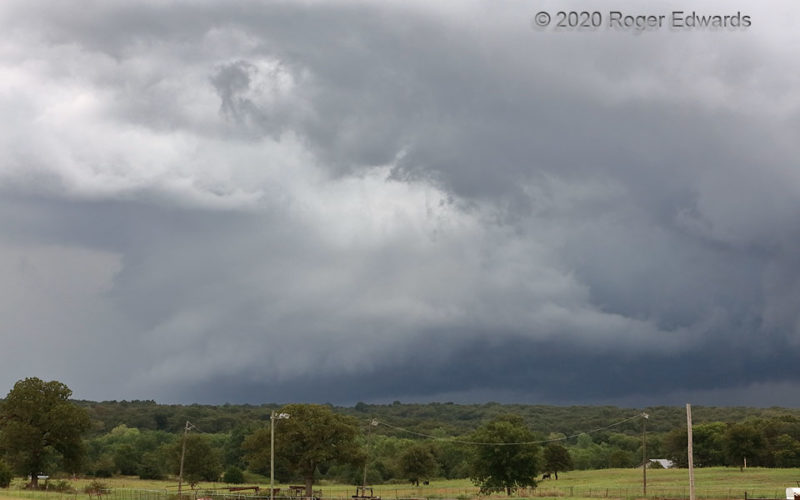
[{"x": 716, "y": 483}]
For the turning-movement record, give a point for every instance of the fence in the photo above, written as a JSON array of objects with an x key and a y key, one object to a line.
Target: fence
[{"x": 390, "y": 493}]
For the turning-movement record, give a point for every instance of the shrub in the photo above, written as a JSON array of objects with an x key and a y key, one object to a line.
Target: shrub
[
  {"x": 233, "y": 475},
  {"x": 96, "y": 487},
  {"x": 61, "y": 486}
]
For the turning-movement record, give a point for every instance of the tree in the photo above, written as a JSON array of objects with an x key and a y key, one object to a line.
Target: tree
[
  {"x": 126, "y": 459},
  {"x": 5, "y": 475},
  {"x": 120, "y": 443},
  {"x": 200, "y": 463},
  {"x": 151, "y": 466},
  {"x": 708, "y": 444},
  {"x": 619, "y": 459},
  {"x": 743, "y": 440},
  {"x": 787, "y": 453},
  {"x": 39, "y": 424},
  {"x": 675, "y": 447},
  {"x": 416, "y": 462},
  {"x": 233, "y": 475},
  {"x": 233, "y": 454},
  {"x": 503, "y": 459},
  {"x": 556, "y": 459},
  {"x": 311, "y": 437},
  {"x": 452, "y": 459}
]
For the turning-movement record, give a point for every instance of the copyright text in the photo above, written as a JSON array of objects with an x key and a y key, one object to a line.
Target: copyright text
[{"x": 624, "y": 21}]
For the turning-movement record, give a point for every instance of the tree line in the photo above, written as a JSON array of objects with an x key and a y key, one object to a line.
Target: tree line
[{"x": 43, "y": 431}]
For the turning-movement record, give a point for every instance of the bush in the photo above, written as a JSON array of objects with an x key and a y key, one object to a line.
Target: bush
[
  {"x": 5, "y": 475},
  {"x": 233, "y": 475},
  {"x": 96, "y": 488},
  {"x": 61, "y": 486},
  {"x": 151, "y": 467}
]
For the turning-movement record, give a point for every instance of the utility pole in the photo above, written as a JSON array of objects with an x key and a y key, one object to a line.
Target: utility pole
[
  {"x": 272, "y": 456},
  {"x": 690, "y": 452},
  {"x": 372, "y": 423},
  {"x": 186, "y": 430},
  {"x": 645, "y": 416},
  {"x": 272, "y": 417}
]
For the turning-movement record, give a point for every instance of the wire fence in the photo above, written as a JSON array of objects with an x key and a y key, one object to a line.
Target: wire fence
[{"x": 389, "y": 493}]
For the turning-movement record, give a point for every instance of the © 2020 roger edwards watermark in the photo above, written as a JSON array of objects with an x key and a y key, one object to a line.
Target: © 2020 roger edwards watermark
[{"x": 618, "y": 20}]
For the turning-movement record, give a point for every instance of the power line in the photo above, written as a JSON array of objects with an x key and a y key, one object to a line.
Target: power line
[{"x": 477, "y": 443}]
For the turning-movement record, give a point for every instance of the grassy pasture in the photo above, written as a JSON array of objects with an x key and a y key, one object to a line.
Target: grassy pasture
[
  {"x": 710, "y": 483},
  {"x": 715, "y": 482}
]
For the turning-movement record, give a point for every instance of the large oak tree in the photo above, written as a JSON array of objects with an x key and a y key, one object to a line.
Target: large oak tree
[
  {"x": 417, "y": 462},
  {"x": 39, "y": 424},
  {"x": 312, "y": 436},
  {"x": 506, "y": 458},
  {"x": 557, "y": 459}
]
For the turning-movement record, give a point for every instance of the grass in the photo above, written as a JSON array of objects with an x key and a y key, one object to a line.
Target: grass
[
  {"x": 710, "y": 483},
  {"x": 715, "y": 482}
]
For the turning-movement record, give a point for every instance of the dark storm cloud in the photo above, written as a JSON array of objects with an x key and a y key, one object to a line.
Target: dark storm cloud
[
  {"x": 343, "y": 201},
  {"x": 515, "y": 368}
]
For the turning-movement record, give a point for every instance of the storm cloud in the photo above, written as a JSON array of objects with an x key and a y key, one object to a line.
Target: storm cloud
[{"x": 354, "y": 201}]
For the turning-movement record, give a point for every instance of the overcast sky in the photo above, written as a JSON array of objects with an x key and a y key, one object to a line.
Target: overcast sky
[{"x": 239, "y": 201}]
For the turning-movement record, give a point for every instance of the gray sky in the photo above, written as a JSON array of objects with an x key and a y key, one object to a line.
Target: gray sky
[{"x": 244, "y": 201}]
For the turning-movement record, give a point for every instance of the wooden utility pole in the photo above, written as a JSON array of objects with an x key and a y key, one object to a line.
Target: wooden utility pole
[
  {"x": 183, "y": 454},
  {"x": 372, "y": 423},
  {"x": 645, "y": 416},
  {"x": 272, "y": 456},
  {"x": 690, "y": 452}
]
